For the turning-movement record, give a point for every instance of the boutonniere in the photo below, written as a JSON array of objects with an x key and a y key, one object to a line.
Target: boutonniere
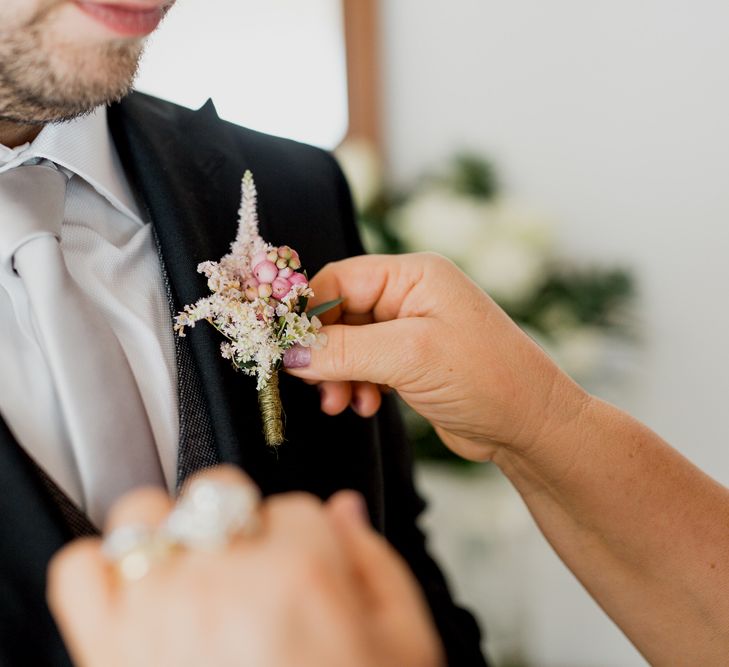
[{"x": 258, "y": 303}]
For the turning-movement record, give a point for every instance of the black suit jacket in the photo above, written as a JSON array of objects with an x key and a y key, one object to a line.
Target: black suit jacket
[{"x": 185, "y": 167}]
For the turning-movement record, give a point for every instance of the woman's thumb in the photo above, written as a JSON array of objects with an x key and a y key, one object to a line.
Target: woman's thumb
[{"x": 376, "y": 353}]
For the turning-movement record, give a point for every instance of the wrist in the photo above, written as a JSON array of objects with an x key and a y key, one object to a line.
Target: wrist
[
  {"x": 552, "y": 435},
  {"x": 565, "y": 412}
]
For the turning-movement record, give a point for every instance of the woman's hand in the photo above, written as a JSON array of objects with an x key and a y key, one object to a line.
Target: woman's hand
[
  {"x": 314, "y": 587},
  {"x": 417, "y": 324},
  {"x": 643, "y": 529}
]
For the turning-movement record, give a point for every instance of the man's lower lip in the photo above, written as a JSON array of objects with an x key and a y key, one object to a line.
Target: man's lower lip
[{"x": 124, "y": 19}]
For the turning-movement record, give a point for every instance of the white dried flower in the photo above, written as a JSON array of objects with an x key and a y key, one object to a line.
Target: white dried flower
[{"x": 258, "y": 332}]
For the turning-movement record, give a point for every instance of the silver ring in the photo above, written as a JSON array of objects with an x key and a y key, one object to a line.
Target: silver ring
[{"x": 211, "y": 513}]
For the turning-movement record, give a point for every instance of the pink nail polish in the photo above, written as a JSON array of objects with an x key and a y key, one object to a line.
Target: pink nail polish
[{"x": 297, "y": 357}]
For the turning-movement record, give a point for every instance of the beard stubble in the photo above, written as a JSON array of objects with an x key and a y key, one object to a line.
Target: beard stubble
[{"x": 46, "y": 79}]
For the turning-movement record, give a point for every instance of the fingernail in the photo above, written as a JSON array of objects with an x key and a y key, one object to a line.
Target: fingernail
[{"x": 297, "y": 357}]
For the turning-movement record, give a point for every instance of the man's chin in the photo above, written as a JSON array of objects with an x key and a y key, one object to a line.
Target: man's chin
[
  {"x": 41, "y": 92},
  {"x": 62, "y": 65},
  {"x": 33, "y": 119},
  {"x": 39, "y": 111}
]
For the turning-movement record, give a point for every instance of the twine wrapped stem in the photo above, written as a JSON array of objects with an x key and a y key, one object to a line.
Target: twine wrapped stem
[{"x": 269, "y": 402}]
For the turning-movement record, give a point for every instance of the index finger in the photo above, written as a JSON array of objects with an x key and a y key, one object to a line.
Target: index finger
[{"x": 386, "y": 286}]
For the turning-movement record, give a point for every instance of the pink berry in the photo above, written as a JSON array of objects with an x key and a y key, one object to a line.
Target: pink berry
[
  {"x": 281, "y": 287},
  {"x": 295, "y": 263},
  {"x": 251, "y": 282},
  {"x": 265, "y": 290},
  {"x": 272, "y": 256},
  {"x": 285, "y": 252},
  {"x": 298, "y": 279},
  {"x": 258, "y": 258},
  {"x": 286, "y": 273},
  {"x": 266, "y": 272},
  {"x": 282, "y": 263},
  {"x": 251, "y": 293}
]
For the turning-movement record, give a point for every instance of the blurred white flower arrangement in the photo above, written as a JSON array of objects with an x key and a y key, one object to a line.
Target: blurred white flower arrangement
[
  {"x": 503, "y": 246},
  {"x": 576, "y": 312}
]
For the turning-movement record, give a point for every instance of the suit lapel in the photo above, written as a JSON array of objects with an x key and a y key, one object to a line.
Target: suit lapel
[
  {"x": 25, "y": 505},
  {"x": 195, "y": 219}
]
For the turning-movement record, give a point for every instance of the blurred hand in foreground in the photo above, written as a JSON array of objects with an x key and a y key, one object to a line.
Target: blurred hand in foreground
[{"x": 313, "y": 587}]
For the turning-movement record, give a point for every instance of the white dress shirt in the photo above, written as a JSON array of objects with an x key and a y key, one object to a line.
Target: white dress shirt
[{"x": 111, "y": 253}]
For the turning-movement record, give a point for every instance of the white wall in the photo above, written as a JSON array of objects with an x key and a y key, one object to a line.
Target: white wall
[
  {"x": 613, "y": 116},
  {"x": 276, "y": 66}
]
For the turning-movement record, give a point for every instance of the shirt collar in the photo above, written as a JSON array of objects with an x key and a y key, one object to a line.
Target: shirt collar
[{"x": 83, "y": 146}]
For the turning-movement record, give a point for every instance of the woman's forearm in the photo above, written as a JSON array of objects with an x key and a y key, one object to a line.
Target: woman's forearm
[{"x": 645, "y": 531}]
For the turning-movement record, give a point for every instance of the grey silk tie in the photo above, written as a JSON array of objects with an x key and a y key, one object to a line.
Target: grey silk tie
[{"x": 105, "y": 419}]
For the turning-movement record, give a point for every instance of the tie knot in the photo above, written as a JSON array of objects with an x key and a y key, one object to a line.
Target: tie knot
[{"x": 32, "y": 202}]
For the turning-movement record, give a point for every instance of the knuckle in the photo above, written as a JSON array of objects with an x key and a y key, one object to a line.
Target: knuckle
[
  {"x": 438, "y": 267},
  {"x": 435, "y": 260},
  {"x": 138, "y": 506},
  {"x": 420, "y": 352},
  {"x": 295, "y": 501},
  {"x": 339, "y": 341}
]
